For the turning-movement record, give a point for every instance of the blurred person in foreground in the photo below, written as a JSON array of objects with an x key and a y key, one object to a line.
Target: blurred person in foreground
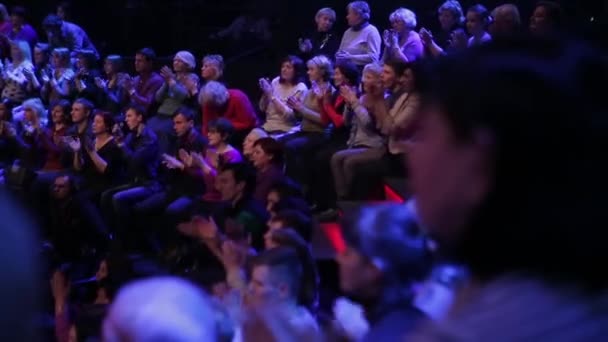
[
  {"x": 162, "y": 309},
  {"x": 385, "y": 255},
  {"x": 19, "y": 270},
  {"x": 532, "y": 237}
]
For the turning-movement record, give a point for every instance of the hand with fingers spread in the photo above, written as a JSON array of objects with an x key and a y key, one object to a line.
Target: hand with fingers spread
[
  {"x": 74, "y": 144},
  {"x": 265, "y": 87},
  {"x": 199, "y": 228},
  {"x": 349, "y": 95},
  {"x": 172, "y": 163},
  {"x": 185, "y": 157}
]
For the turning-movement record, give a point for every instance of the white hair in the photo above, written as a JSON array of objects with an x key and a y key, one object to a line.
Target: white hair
[
  {"x": 214, "y": 92},
  {"x": 36, "y": 105},
  {"x": 508, "y": 10},
  {"x": 373, "y": 68},
  {"x": 360, "y": 7},
  {"x": 327, "y": 12},
  {"x": 407, "y": 16},
  {"x": 324, "y": 64},
  {"x": 454, "y": 7},
  {"x": 161, "y": 309}
]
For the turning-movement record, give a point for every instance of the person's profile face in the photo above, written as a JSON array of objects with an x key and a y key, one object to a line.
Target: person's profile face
[
  {"x": 181, "y": 125},
  {"x": 78, "y": 113},
  {"x": 227, "y": 186},
  {"x": 446, "y": 20},
  {"x": 474, "y": 23},
  {"x": 132, "y": 119},
  {"x": 141, "y": 63},
  {"x": 353, "y": 17}
]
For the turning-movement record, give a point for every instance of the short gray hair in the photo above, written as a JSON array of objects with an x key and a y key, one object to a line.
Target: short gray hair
[
  {"x": 214, "y": 92},
  {"x": 407, "y": 16},
  {"x": 361, "y": 7},
  {"x": 327, "y": 12},
  {"x": 324, "y": 64},
  {"x": 215, "y": 59},
  {"x": 373, "y": 68},
  {"x": 508, "y": 10},
  {"x": 454, "y": 7}
]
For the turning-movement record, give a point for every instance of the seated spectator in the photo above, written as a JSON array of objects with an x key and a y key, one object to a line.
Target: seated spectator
[
  {"x": 267, "y": 158},
  {"x": 17, "y": 75},
  {"x": 20, "y": 29},
  {"x": 65, "y": 222},
  {"x": 134, "y": 314},
  {"x": 42, "y": 65},
  {"x": 82, "y": 112},
  {"x": 451, "y": 36},
  {"x": 142, "y": 89},
  {"x": 113, "y": 96},
  {"x": 53, "y": 139},
  {"x": 277, "y": 279},
  {"x": 250, "y": 139},
  {"x": 547, "y": 19},
  {"x": 63, "y": 34},
  {"x": 385, "y": 255},
  {"x": 231, "y": 104},
  {"x": 300, "y": 145},
  {"x": 280, "y": 190},
  {"x": 8, "y": 151},
  {"x": 30, "y": 142},
  {"x": 212, "y": 68},
  {"x": 171, "y": 96},
  {"x": 399, "y": 80},
  {"x": 58, "y": 84},
  {"x": 219, "y": 153},
  {"x": 280, "y": 118},
  {"x": 139, "y": 152},
  {"x": 322, "y": 193},
  {"x": 293, "y": 219},
  {"x": 323, "y": 40},
  {"x": 191, "y": 83},
  {"x": 507, "y": 21},
  {"x": 478, "y": 20},
  {"x": 243, "y": 216},
  {"x": 183, "y": 184},
  {"x": 366, "y": 144},
  {"x": 402, "y": 42},
  {"x": 361, "y": 43},
  {"x": 86, "y": 73}
]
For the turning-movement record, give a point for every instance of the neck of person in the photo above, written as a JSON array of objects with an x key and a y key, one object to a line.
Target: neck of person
[
  {"x": 59, "y": 126},
  {"x": 101, "y": 137},
  {"x": 139, "y": 129},
  {"x": 479, "y": 35},
  {"x": 222, "y": 147},
  {"x": 82, "y": 126},
  {"x": 237, "y": 198}
]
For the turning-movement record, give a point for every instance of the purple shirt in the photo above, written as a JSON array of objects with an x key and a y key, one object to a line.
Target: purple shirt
[
  {"x": 145, "y": 89},
  {"x": 26, "y": 33},
  {"x": 265, "y": 180},
  {"x": 412, "y": 49}
]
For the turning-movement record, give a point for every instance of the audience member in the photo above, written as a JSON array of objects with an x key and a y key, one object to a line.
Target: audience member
[
  {"x": 267, "y": 158},
  {"x": 506, "y": 23},
  {"x": 547, "y": 19},
  {"x": 478, "y": 20},
  {"x": 250, "y": 139},
  {"x": 20, "y": 29},
  {"x": 212, "y": 68},
  {"x": 58, "y": 84},
  {"x": 361, "y": 43},
  {"x": 16, "y": 77},
  {"x": 402, "y": 42},
  {"x": 323, "y": 40},
  {"x": 63, "y": 34},
  {"x": 142, "y": 89}
]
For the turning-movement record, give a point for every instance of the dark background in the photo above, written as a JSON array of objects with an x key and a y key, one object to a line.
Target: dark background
[{"x": 123, "y": 26}]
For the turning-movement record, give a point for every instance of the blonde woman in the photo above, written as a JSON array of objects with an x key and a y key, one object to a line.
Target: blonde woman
[{"x": 17, "y": 76}]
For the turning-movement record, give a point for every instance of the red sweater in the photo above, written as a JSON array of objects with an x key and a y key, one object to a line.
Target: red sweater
[
  {"x": 330, "y": 112},
  {"x": 239, "y": 111}
]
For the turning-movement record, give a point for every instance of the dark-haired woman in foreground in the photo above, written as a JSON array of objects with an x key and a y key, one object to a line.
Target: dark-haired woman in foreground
[{"x": 533, "y": 237}]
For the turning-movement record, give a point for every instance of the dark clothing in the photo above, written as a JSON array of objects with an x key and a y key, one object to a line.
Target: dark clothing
[
  {"x": 31, "y": 152},
  {"x": 265, "y": 180},
  {"x": 140, "y": 153},
  {"x": 91, "y": 92},
  {"x": 299, "y": 148},
  {"x": 96, "y": 182},
  {"x": 323, "y": 43},
  {"x": 394, "y": 320},
  {"x": 189, "y": 181},
  {"x": 146, "y": 87},
  {"x": 250, "y": 217}
]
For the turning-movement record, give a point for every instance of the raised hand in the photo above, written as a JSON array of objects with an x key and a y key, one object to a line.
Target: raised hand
[
  {"x": 171, "y": 162},
  {"x": 167, "y": 74},
  {"x": 349, "y": 95},
  {"x": 386, "y": 37},
  {"x": 185, "y": 157},
  {"x": 100, "y": 83},
  {"x": 74, "y": 144},
  {"x": 265, "y": 87},
  {"x": 426, "y": 36},
  {"x": 197, "y": 159},
  {"x": 294, "y": 103}
]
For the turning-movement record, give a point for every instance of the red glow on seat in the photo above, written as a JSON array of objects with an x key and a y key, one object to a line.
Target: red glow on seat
[
  {"x": 392, "y": 195},
  {"x": 334, "y": 235}
]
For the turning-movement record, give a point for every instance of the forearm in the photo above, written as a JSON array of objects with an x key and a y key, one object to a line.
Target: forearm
[
  {"x": 310, "y": 114},
  {"x": 100, "y": 164}
]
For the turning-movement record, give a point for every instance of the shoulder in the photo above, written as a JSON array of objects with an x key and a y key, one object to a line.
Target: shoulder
[
  {"x": 275, "y": 81},
  {"x": 371, "y": 29},
  {"x": 301, "y": 86}
]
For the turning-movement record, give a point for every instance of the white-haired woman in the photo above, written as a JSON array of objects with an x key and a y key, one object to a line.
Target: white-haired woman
[
  {"x": 300, "y": 145},
  {"x": 58, "y": 84},
  {"x": 402, "y": 42},
  {"x": 452, "y": 33},
  {"x": 30, "y": 141},
  {"x": 16, "y": 76},
  {"x": 361, "y": 43},
  {"x": 232, "y": 104},
  {"x": 323, "y": 40}
]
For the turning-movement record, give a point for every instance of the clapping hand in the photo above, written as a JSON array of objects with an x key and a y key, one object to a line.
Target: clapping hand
[
  {"x": 167, "y": 74},
  {"x": 100, "y": 83},
  {"x": 233, "y": 255},
  {"x": 426, "y": 36},
  {"x": 349, "y": 95},
  {"x": 305, "y": 45},
  {"x": 387, "y": 37},
  {"x": 295, "y": 103},
  {"x": 185, "y": 157},
  {"x": 458, "y": 39},
  {"x": 74, "y": 143},
  {"x": 172, "y": 163},
  {"x": 198, "y": 159},
  {"x": 266, "y": 87},
  {"x": 319, "y": 90},
  {"x": 45, "y": 77}
]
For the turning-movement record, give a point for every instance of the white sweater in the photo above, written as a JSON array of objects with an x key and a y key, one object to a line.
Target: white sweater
[{"x": 363, "y": 45}]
